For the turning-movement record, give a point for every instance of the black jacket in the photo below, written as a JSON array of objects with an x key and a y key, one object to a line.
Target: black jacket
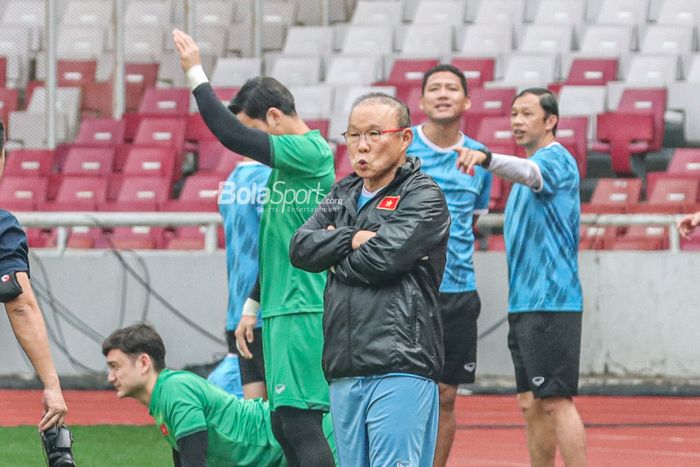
[{"x": 381, "y": 301}]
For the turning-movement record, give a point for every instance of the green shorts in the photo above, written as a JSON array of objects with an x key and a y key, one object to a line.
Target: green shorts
[{"x": 292, "y": 346}]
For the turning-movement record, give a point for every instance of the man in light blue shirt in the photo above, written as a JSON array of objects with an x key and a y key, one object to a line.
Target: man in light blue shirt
[
  {"x": 240, "y": 205},
  {"x": 545, "y": 302},
  {"x": 444, "y": 101}
]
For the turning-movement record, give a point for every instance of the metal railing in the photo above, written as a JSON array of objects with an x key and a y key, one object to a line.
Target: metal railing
[
  {"x": 211, "y": 220},
  {"x": 612, "y": 220},
  {"x": 64, "y": 220}
]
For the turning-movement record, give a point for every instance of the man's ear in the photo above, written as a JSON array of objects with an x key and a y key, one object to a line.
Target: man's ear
[
  {"x": 144, "y": 362},
  {"x": 273, "y": 117},
  {"x": 406, "y": 138},
  {"x": 551, "y": 121}
]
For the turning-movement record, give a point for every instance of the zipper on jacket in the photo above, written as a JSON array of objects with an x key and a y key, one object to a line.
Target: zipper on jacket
[{"x": 349, "y": 308}]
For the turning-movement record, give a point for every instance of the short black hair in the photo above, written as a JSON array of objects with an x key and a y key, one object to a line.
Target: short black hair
[
  {"x": 548, "y": 102},
  {"x": 261, "y": 93},
  {"x": 135, "y": 340},
  {"x": 444, "y": 67},
  {"x": 2, "y": 136},
  {"x": 402, "y": 112}
]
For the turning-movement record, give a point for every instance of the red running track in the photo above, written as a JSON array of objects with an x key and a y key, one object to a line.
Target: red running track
[{"x": 621, "y": 431}]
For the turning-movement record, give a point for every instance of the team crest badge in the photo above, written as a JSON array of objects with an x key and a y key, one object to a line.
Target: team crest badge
[{"x": 389, "y": 203}]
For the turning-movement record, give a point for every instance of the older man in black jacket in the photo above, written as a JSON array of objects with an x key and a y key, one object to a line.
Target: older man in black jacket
[{"x": 382, "y": 233}]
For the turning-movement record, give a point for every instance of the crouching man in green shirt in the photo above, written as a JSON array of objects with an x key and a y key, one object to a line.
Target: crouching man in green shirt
[{"x": 203, "y": 424}]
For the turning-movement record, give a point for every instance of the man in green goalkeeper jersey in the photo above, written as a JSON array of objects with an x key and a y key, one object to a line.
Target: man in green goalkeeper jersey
[
  {"x": 203, "y": 424},
  {"x": 263, "y": 124}
]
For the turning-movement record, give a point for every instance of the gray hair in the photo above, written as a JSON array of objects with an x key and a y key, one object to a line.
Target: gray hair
[{"x": 404, "y": 115}]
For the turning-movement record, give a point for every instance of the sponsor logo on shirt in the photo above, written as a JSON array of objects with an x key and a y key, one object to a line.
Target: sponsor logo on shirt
[
  {"x": 538, "y": 380},
  {"x": 389, "y": 203},
  {"x": 164, "y": 429}
]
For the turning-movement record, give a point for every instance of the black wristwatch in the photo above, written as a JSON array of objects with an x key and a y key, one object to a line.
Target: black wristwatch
[{"x": 489, "y": 156}]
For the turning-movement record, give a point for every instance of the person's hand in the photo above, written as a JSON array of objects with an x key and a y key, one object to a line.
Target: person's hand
[
  {"x": 361, "y": 237},
  {"x": 244, "y": 335},
  {"x": 687, "y": 224},
  {"x": 188, "y": 50},
  {"x": 55, "y": 408},
  {"x": 467, "y": 159}
]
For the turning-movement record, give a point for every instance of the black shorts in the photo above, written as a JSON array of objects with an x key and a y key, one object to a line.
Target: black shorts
[
  {"x": 460, "y": 312},
  {"x": 253, "y": 370},
  {"x": 546, "y": 348}
]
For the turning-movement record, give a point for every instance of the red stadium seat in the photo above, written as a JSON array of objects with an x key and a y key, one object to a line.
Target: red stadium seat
[
  {"x": 192, "y": 238},
  {"x": 410, "y": 94},
  {"x": 592, "y": 71},
  {"x": 647, "y": 102},
  {"x": 138, "y": 78},
  {"x": 199, "y": 193},
  {"x": 152, "y": 162},
  {"x": 97, "y": 99},
  {"x": 78, "y": 194},
  {"x": 571, "y": 133},
  {"x": 494, "y": 102},
  {"x": 500, "y": 189},
  {"x": 409, "y": 71},
  {"x": 101, "y": 132},
  {"x": 76, "y": 72},
  {"x": 140, "y": 194},
  {"x": 83, "y": 237},
  {"x": 692, "y": 244},
  {"x": 41, "y": 238},
  {"x": 614, "y": 195},
  {"x": 593, "y": 237},
  {"x": 169, "y": 132},
  {"x": 22, "y": 193},
  {"x": 642, "y": 237},
  {"x": 496, "y": 134},
  {"x": 623, "y": 134},
  {"x": 9, "y": 99},
  {"x": 214, "y": 157},
  {"x": 320, "y": 124},
  {"x": 138, "y": 237},
  {"x": 496, "y": 243},
  {"x": 671, "y": 195},
  {"x": 343, "y": 167},
  {"x": 197, "y": 130},
  {"x": 89, "y": 161},
  {"x": 477, "y": 71},
  {"x": 29, "y": 162},
  {"x": 165, "y": 102},
  {"x": 142, "y": 72},
  {"x": 685, "y": 162}
]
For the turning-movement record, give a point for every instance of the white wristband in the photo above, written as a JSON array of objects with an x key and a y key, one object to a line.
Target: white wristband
[
  {"x": 196, "y": 76},
  {"x": 251, "y": 308}
]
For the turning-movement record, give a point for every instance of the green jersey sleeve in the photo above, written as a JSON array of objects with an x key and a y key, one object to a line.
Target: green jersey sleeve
[
  {"x": 183, "y": 409},
  {"x": 306, "y": 155}
]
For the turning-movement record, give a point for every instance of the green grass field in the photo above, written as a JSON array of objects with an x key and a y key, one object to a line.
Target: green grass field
[{"x": 93, "y": 446}]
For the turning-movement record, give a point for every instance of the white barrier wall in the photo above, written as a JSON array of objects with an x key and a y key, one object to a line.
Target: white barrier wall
[{"x": 640, "y": 309}]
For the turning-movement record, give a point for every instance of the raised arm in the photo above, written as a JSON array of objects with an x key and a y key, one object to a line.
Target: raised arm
[
  {"x": 515, "y": 169},
  {"x": 223, "y": 124}
]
